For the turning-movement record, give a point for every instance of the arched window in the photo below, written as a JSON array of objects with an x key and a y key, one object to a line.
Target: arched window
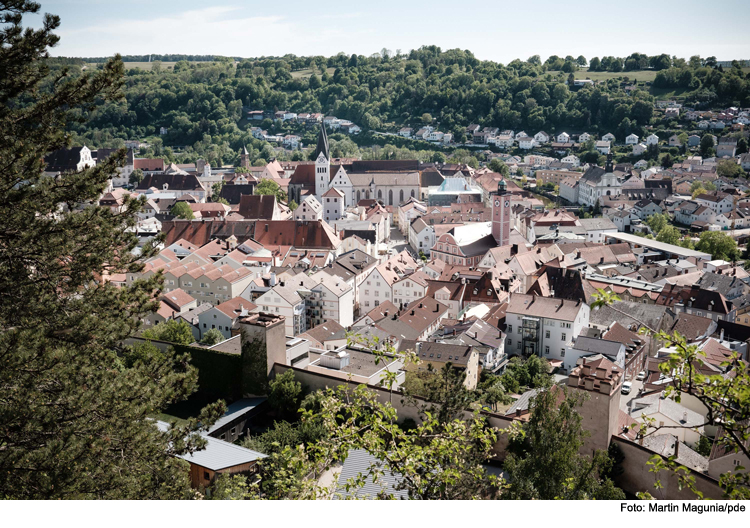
[
  {"x": 401, "y": 196},
  {"x": 358, "y": 196},
  {"x": 367, "y": 195},
  {"x": 412, "y": 193},
  {"x": 380, "y": 194},
  {"x": 390, "y": 197}
]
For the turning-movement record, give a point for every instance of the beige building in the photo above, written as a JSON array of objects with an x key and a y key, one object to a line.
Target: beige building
[{"x": 438, "y": 355}]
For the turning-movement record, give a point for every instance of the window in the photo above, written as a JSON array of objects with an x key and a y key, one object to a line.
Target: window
[
  {"x": 510, "y": 342},
  {"x": 562, "y": 352},
  {"x": 546, "y": 334},
  {"x": 367, "y": 303},
  {"x": 510, "y": 329},
  {"x": 519, "y": 330},
  {"x": 546, "y": 350},
  {"x": 367, "y": 292},
  {"x": 564, "y": 336},
  {"x": 519, "y": 346},
  {"x": 206, "y": 476},
  {"x": 377, "y": 303}
]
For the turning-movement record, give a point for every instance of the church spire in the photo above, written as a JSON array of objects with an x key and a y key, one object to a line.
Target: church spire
[{"x": 322, "y": 143}]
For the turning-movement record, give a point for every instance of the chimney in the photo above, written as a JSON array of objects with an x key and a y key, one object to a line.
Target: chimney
[{"x": 677, "y": 447}]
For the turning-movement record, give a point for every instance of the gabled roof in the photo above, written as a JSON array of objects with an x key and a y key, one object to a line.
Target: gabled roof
[
  {"x": 257, "y": 207},
  {"x": 178, "y": 182},
  {"x": 535, "y": 306}
]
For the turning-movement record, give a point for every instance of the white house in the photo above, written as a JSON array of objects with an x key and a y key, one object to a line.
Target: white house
[
  {"x": 544, "y": 326},
  {"x": 571, "y": 160},
  {"x": 563, "y": 137},
  {"x": 332, "y": 299},
  {"x": 224, "y": 316},
  {"x": 309, "y": 209},
  {"x": 603, "y": 146},
  {"x": 639, "y": 150},
  {"x": 653, "y": 139},
  {"x": 609, "y": 137},
  {"x": 333, "y": 204},
  {"x": 632, "y": 139},
  {"x": 584, "y": 137},
  {"x": 541, "y": 137},
  {"x": 526, "y": 143}
]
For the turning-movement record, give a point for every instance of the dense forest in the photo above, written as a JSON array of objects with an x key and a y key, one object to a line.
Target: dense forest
[{"x": 203, "y": 103}]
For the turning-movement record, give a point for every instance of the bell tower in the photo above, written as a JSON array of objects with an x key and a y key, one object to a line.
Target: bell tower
[
  {"x": 244, "y": 158},
  {"x": 322, "y": 165},
  {"x": 501, "y": 214}
]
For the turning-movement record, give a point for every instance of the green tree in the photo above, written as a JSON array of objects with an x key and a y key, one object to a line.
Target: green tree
[
  {"x": 581, "y": 61},
  {"x": 136, "y": 177},
  {"x": 438, "y": 157},
  {"x": 172, "y": 331},
  {"x": 285, "y": 395},
  {"x": 741, "y": 146},
  {"x": 669, "y": 235},
  {"x": 497, "y": 165},
  {"x": 216, "y": 189},
  {"x": 293, "y": 205},
  {"x": 657, "y": 222},
  {"x": 76, "y": 402},
  {"x": 729, "y": 168},
  {"x": 707, "y": 146},
  {"x": 667, "y": 161},
  {"x": 211, "y": 337},
  {"x": 720, "y": 245},
  {"x": 270, "y": 187},
  {"x": 426, "y": 118},
  {"x": 545, "y": 461},
  {"x": 182, "y": 210}
]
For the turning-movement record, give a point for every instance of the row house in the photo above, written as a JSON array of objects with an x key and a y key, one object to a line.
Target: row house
[
  {"x": 719, "y": 202},
  {"x": 378, "y": 285},
  {"x": 223, "y": 317},
  {"x": 690, "y": 212}
]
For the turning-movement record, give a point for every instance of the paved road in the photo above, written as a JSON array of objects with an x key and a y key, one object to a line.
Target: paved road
[
  {"x": 625, "y": 399},
  {"x": 398, "y": 242}
]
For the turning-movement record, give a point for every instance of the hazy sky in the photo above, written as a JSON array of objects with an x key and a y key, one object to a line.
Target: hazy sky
[{"x": 501, "y": 30}]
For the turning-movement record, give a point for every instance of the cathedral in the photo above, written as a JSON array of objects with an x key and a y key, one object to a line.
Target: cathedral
[{"x": 392, "y": 182}]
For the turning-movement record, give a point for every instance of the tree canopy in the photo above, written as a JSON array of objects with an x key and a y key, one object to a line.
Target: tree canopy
[{"x": 77, "y": 404}]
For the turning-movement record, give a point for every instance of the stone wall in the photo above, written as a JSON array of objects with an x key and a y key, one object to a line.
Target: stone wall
[{"x": 637, "y": 476}]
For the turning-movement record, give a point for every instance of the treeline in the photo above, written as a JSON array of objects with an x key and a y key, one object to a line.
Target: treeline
[
  {"x": 203, "y": 104},
  {"x": 169, "y": 57}
]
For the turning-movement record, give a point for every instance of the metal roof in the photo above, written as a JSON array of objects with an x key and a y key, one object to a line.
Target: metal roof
[
  {"x": 235, "y": 410},
  {"x": 218, "y": 454},
  {"x": 358, "y": 462},
  {"x": 659, "y": 246}
]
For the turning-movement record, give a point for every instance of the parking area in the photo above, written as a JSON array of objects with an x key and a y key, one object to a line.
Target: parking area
[{"x": 625, "y": 399}]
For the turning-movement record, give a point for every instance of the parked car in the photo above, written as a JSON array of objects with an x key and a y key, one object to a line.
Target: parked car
[
  {"x": 641, "y": 376},
  {"x": 626, "y": 387}
]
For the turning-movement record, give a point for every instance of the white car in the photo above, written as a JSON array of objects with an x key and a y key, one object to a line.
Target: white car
[
  {"x": 626, "y": 387},
  {"x": 641, "y": 375}
]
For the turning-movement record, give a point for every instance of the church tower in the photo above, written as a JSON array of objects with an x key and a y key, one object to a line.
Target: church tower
[
  {"x": 244, "y": 158},
  {"x": 322, "y": 165},
  {"x": 501, "y": 214}
]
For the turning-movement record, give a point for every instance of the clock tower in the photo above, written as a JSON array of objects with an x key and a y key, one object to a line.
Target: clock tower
[{"x": 501, "y": 214}]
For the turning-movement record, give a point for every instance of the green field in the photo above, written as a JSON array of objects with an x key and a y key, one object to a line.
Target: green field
[
  {"x": 640, "y": 76},
  {"x": 307, "y": 72},
  {"x": 165, "y": 65}
]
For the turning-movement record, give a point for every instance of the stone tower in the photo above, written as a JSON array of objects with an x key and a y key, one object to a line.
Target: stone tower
[
  {"x": 322, "y": 165},
  {"x": 501, "y": 214},
  {"x": 244, "y": 158}
]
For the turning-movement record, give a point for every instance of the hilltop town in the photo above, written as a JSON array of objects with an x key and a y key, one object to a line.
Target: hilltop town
[
  {"x": 341, "y": 265},
  {"x": 417, "y": 275}
]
